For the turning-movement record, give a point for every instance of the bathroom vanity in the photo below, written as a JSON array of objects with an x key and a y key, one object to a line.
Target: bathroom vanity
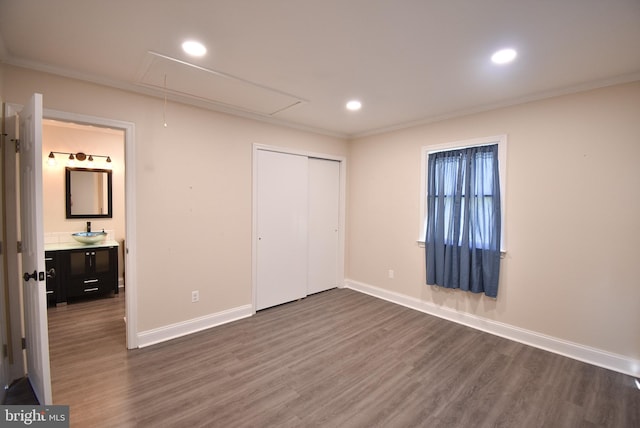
[{"x": 77, "y": 270}]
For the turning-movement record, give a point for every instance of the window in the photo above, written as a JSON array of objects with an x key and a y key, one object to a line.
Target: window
[{"x": 462, "y": 221}]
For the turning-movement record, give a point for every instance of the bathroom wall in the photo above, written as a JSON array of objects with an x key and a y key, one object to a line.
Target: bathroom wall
[{"x": 66, "y": 137}]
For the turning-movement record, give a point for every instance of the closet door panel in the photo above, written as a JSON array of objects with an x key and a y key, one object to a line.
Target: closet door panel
[
  {"x": 324, "y": 215},
  {"x": 282, "y": 208}
]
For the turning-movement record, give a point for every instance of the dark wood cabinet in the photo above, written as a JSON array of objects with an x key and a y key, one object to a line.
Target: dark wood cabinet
[
  {"x": 83, "y": 272},
  {"x": 51, "y": 266}
]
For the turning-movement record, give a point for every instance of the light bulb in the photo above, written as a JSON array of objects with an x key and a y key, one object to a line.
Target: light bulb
[
  {"x": 504, "y": 56},
  {"x": 194, "y": 48},
  {"x": 354, "y": 105}
]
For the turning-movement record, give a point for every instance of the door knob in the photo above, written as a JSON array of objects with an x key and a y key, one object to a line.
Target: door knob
[{"x": 27, "y": 276}]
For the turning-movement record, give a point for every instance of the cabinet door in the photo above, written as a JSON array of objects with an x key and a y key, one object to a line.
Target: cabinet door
[
  {"x": 52, "y": 277},
  {"x": 101, "y": 261},
  {"x": 78, "y": 263}
]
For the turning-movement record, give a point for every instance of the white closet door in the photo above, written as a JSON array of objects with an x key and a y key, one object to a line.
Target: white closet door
[
  {"x": 324, "y": 208},
  {"x": 282, "y": 206}
]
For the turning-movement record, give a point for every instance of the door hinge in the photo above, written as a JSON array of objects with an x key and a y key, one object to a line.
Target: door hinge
[
  {"x": 17, "y": 141},
  {"x": 19, "y": 247},
  {"x": 24, "y": 343}
]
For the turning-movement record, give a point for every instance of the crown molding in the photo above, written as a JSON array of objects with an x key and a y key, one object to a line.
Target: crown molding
[{"x": 158, "y": 93}]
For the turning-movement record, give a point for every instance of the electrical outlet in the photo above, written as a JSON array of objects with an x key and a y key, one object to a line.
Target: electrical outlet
[
  {"x": 391, "y": 274},
  {"x": 195, "y": 296}
]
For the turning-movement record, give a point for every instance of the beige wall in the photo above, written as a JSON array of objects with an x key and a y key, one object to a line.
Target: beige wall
[
  {"x": 572, "y": 207},
  {"x": 572, "y": 216},
  {"x": 193, "y": 192},
  {"x": 101, "y": 141}
]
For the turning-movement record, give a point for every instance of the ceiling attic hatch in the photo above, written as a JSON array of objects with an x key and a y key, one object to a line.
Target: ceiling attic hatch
[{"x": 213, "y": 87}]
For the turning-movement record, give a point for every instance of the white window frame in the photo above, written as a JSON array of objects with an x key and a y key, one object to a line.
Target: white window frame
[{"x": 501, "y": 141}]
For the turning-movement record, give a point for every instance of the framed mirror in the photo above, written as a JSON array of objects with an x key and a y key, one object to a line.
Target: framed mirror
[{"x": 88, "y": 193}]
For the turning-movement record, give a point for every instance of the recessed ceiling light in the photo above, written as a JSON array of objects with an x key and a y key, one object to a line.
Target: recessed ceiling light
[
  {"x": 504, "y": 56},
  {"x": 194, "y": 48},
  {"x": 354, "y": 105}
]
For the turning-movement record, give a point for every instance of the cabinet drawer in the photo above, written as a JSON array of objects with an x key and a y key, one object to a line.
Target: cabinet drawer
[
  {"x": 96, "y": 284},
  {"x": 51, "y": 267}
]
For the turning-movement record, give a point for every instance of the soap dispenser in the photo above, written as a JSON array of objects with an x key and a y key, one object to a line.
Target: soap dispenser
[{"x": 88, "y": 226}]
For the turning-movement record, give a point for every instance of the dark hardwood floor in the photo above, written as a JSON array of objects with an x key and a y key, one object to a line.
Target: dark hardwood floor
[{"x": 335, "y": 359}]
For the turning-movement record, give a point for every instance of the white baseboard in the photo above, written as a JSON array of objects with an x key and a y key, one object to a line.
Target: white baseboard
[
  {"x": 596, "y": 357},
  {"x": 162, "y": 334}
]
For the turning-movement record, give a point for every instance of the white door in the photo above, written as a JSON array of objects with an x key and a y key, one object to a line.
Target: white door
[
  {"x": 281, "y": 228},
  {"x": 31, "y": 220},
  {"x": 324, "y": 219}
]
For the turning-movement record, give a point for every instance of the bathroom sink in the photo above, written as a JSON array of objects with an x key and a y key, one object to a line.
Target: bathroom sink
[{"x": 89, "y": 237}]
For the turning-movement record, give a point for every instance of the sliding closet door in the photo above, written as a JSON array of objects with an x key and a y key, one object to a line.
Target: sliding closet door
[
  {"x": 324, "y": 217},
  {"x": 282, "y": 206}
]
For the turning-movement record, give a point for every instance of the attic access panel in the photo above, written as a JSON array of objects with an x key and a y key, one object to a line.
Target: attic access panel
[{"x": 185, "y": 79}]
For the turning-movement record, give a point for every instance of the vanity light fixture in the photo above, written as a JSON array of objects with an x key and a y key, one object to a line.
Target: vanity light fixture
[{"x": 80, "y": 156}]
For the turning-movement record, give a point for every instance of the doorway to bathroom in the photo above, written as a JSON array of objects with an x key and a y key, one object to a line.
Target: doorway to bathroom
[
  {"x": 74, "y": 206},
  {"x": 111, "y": 140}
]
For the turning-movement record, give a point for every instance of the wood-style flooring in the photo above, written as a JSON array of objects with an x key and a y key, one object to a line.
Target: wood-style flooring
[{"x": 335, "y": 359}]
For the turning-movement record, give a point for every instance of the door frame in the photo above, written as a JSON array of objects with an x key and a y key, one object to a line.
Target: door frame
[
  {"x": 254, "y": 213},
  {"x": 129, "y": 252},
  {"x": 16, "y": 355}
]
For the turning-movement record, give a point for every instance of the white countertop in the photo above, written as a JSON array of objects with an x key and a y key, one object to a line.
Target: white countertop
[{"x": 58, "y": 246}]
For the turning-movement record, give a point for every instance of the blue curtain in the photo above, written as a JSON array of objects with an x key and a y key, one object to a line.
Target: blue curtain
[{"x": 463, "y": 220}]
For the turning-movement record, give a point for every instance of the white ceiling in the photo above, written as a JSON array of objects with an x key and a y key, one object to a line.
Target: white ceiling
[{"x": 297, "y": 62}]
